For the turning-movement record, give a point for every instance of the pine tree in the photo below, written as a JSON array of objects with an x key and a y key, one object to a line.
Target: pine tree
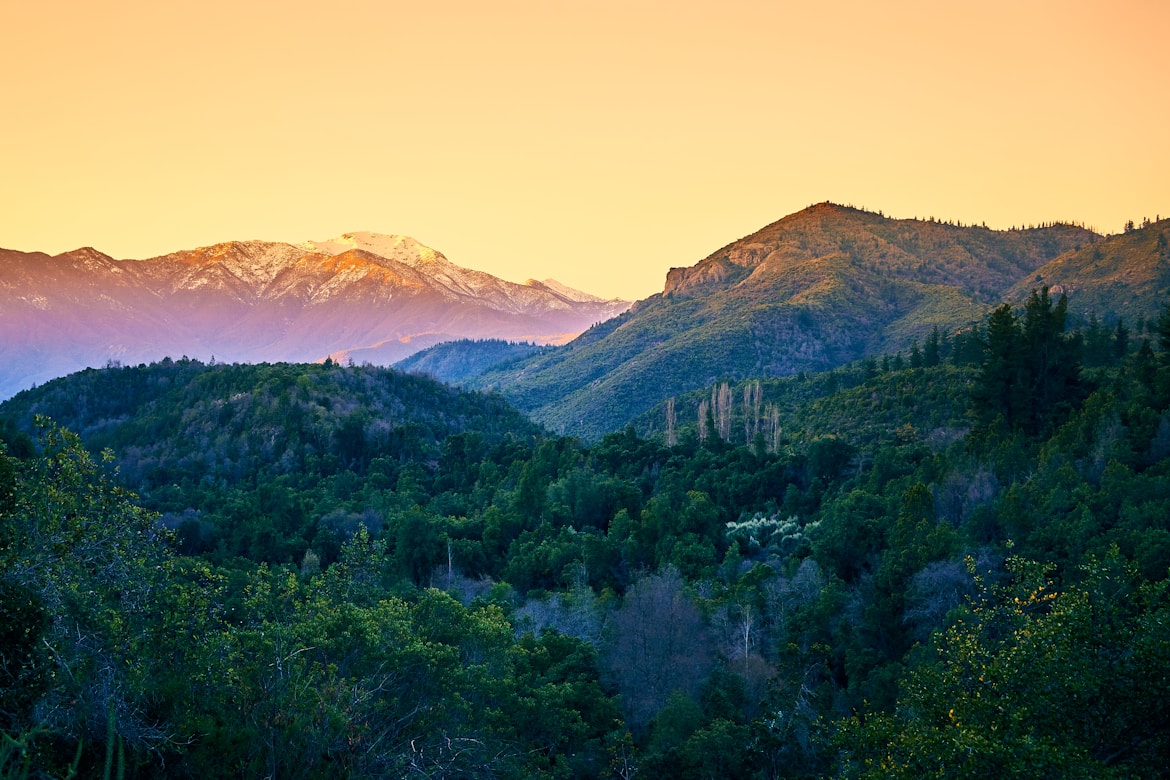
[
  {"x": 915, "y": 355},
  {"x": 1098, "y": 347},
  {"x": 1120, "y": 340},
  {"x": 996, "y": 393},
  {"x": 1031, "y": 367},
  {"x": 932, "y": 351},
  {"x": 1053, "y": 357},
  {"x": 1163, "y": 331}
]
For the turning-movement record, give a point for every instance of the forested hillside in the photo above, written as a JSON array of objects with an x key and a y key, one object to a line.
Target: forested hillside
[
  {"x": 1126, "y": 276},
  {"x": 950, "y": 561},
  {"x": 456, "y": 362},
  {"x": 818, "y": 289}
]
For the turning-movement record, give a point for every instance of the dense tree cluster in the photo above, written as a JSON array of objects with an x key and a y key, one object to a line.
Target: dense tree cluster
[
  {"x": 946, "y": 567},
  {"x": 1031, "y": 371}
]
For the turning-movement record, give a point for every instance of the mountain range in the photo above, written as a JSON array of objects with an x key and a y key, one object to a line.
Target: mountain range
[
  {"x": 862, "y": 572},
  {"x": 818, "y": 289},
  {"x": 364, "y": 297}
]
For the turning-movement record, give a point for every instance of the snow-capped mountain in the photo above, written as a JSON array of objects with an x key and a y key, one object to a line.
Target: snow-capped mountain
[{"x": 361, "y": 296}]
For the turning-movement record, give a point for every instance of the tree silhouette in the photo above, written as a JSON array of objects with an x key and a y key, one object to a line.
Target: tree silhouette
[{"x": 1031, "y": 368}]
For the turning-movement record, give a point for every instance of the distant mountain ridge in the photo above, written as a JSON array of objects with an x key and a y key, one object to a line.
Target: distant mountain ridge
[
  {"x": 1126, "y": 276},
  {"x": 362, "y": 296},
  {"x": 815, "y": 290},
  {"x": 458, "y": 362}
]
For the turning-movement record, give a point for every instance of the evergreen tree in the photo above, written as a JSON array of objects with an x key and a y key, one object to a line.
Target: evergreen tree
[
  {"x": 932, "y": 351},
  {"x": 1163, "y": 331},
  {"x": 967, "y": 348},
  {"x": 915, "y": 355},
  {"x": 1053, "y": 357},
  {"x": 1031, "y": 368},
  {"x": 1146, "y": 365},
  {"x": 997, "y": 390},
  {"x": 1098, "y": 345},
  {"x": 1120, "y": 339}
]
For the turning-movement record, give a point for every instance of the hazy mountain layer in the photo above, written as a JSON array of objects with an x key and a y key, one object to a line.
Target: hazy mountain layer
[
  {"x": 457, "y": 362},
  {"x": 363, "y": 296}
]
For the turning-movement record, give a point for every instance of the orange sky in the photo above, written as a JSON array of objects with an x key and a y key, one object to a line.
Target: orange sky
[{"x": 596, "y": 142}]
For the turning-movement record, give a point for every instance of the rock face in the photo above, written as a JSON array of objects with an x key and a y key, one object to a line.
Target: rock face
[{"x": 363, "y": 296}]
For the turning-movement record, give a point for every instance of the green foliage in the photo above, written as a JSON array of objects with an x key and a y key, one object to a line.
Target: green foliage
[
  {"x": 82, "y": 566},
  {"x": 1033, "y": 681},
  {"x": 269, "y": 461},
  {"x": 456, "y": 362},
  {"x": 1031, "y": 373},
  {"x": 24, "y": 665},
  {"x": 816, "y": 290},
  {"x": 1122, "y": 275},
  {"x": 392, "y": 578}
]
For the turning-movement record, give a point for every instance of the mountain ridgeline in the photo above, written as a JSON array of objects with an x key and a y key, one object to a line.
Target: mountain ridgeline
[
  {"x": 226, "y": 423},
  {"x": 819, "y": 289},
  {"x": 459, "y": 362},
  {"x": 363, "y": 297}
]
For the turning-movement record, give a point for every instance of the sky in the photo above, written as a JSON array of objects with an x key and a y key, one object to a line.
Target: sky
[{"x": 598, "y": 143}]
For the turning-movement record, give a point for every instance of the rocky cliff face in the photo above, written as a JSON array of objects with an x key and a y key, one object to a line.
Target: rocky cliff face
[{"x": 364, "y": 296}]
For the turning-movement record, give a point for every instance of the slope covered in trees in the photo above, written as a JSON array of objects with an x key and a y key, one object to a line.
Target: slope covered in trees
[
  {"x": 1126, "y": 276},
  {"x": 815, "y": 290},
  {"x": 896, "y": 579},
  {"x": 455, "y": 362},
  {"x": 215, "y": 447}
]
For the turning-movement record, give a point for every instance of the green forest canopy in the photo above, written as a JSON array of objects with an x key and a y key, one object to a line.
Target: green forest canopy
[{"x": 907, "y": 567}]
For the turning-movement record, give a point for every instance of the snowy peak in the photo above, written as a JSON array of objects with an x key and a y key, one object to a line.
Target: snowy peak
[
  {"x": 394, "y": 251},
  {"x": 403, "y": 249},
  {"x": 564, "y": 291},
  {"x": 384, "y": 266},
  {"x": 372, "y": 296},
  {"x": 88, "y": 255},
  {"x": 455, "y": 282},
  {"x": 244, "y": 269}
]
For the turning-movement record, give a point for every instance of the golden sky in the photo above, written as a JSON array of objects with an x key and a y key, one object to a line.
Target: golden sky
[{"x": 596, "y": 142}]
